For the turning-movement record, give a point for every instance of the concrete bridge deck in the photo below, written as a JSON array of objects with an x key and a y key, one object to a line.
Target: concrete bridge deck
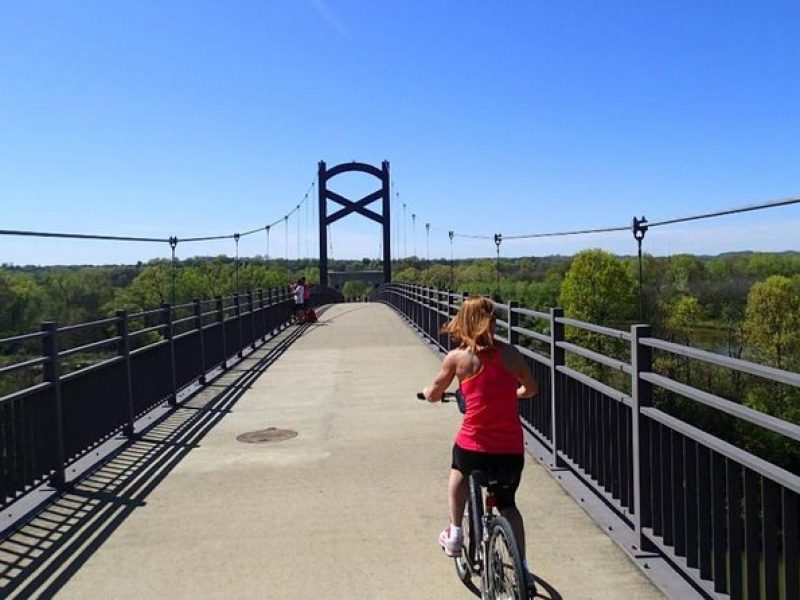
[{"x": 350, "y": 508}]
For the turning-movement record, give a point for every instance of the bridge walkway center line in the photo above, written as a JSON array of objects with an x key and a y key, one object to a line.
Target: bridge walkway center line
[{"x": 350, "y": 508}]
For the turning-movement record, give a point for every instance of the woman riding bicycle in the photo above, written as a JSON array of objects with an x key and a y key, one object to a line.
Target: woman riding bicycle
[{"x": 493, "y": 377}]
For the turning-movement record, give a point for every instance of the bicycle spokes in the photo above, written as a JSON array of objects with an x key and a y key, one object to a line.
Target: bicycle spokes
[{"x": 505, "y": 576}]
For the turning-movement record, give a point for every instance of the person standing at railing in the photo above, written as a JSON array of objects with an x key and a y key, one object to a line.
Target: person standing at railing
[
  {"x": 493, "y": 377},
  {"x": 308, "y": 311},
  {"x": 298, "y": 297}
]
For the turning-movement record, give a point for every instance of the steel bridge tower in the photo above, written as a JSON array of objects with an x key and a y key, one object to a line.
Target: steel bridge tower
[{"x": 350, "y": 206}]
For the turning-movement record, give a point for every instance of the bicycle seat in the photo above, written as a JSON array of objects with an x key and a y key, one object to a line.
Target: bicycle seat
[{"x": 490, "y": 478}]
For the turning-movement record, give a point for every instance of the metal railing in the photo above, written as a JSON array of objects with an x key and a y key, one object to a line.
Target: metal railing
[
  {"x": 726, "y": 518},
  {"x": 76, "y": 395}
]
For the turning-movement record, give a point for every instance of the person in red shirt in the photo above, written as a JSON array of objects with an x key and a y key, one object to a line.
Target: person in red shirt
[{"x": 493, "y": 376}]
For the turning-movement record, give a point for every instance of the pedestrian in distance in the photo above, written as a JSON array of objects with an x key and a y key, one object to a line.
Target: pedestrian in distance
[{"x": 298, "y": 297}]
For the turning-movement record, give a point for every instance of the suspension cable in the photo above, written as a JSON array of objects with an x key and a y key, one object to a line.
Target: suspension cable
[
  {"x": 732, "y": 211},
  {"x": 82, "y": 236},
  {"x": 169, "y": 240},
  {"x": 718, "y": 213},
  {"x": 565, "y": 233}
]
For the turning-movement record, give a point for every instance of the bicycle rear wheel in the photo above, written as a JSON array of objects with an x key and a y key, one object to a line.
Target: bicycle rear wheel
[{"x": 505, "y": 574}]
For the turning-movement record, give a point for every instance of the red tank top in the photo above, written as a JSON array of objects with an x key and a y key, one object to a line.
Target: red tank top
[{"x": 491, "y": 422}]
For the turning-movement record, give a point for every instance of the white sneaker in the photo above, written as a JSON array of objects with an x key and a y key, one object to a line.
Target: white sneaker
[{"x": 451, "y": 544}]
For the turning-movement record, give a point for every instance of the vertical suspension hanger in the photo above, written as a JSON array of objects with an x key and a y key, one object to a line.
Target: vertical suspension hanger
[
  {"x": 452, "y": 266},
  {"x": 428, "y": 240},
  {"x": 173, "y": 242},
  {"x": 297, "y": 218},
  {"x": 498, "y": 239},
  {"x": 286, "y": 239},
  {"x": 414, "y": 232},
  {"x": 236, "y": 264},
  {"x": 267, "y": 228},
  {"x": 639, "y": 228},
  {"x": 405, "y": 241},
  {"x": 306, "y": 223}
]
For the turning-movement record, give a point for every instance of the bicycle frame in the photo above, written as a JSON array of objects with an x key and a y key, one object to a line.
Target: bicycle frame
[{"x": 480, "y": 514}]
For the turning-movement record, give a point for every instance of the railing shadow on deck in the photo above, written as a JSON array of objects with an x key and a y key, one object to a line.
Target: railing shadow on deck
[{"x": 41, "y": 556}]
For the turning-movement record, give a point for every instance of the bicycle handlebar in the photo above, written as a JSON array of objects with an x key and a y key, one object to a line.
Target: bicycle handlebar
[{"x": 446, "y": 397}]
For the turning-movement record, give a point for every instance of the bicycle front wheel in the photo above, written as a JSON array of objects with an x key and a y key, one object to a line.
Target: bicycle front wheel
[{"x": 505, "y": 574}]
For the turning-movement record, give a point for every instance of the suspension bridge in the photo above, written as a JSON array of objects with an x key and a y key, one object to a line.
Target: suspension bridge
[{"x": 220, "y": 449}]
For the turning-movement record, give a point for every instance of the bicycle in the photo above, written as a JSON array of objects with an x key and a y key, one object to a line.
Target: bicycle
[{"x": 490, "y": 549}]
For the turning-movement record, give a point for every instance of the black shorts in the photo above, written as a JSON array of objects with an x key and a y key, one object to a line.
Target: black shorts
[
  {"x": 508, "y": 465},
  {"x": 299, "y": 305}
]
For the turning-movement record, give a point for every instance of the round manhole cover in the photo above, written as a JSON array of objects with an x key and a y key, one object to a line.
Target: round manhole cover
[{"x": 271, "y": 434}]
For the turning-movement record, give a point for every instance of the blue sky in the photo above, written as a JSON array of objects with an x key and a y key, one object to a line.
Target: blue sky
[{"x": 160, "y": 118}]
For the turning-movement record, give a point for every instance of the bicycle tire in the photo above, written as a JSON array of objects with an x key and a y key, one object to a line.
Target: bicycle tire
[
  {"x": 464, "y": 562},
  {"x": 505, "y": 574},
  {"x": 470, "y": 562}
]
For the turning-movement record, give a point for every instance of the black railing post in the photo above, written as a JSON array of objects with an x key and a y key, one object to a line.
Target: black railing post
[
  {"x": 221, "y": 320},
  {"x": 415, "y": 306},
  {"x": 557, "y": 359},
  {"x": 169, "y": 334},
  {"x": 283, "y": 322},
  {"x": 641, "y": 390},
  {"x": 252, "y": 320},
  {"x": 450, "y": 313},
  {"x": 125, "y": 352},
  {"x": 52, "y": 374},
  {"x": 263, "y": 315},
  {"x": 428, "y": 313},
  {"x": 286, "y": 297},
  {"x": 418, "y": 306},
  {"x": 439, "y": 321},
  {"x": 513, "y": 321},
  {"x": 273, "y": 310},
  {"x": 421, "y": 307},
  {"x": 237, "y": 311},
  {"x": 198, "y": 323}
]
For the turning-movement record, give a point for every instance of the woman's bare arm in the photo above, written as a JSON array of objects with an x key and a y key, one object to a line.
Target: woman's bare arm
[
  {"x": 443, "y": 379},
  {"x": 514, "y": 362}
]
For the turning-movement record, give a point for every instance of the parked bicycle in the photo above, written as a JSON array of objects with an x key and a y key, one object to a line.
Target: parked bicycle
[{"x": 490, "y": 551}]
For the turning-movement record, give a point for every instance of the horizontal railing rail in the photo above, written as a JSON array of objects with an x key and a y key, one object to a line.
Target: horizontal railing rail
[{"x": 726, "y": 518}]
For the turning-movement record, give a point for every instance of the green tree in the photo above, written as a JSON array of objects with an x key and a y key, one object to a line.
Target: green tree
[
  {"x": 683, "y": 319},
  {"x": 21, "y": 300},
  {"x": 772, "y": 321},
  {"x": 407, "y": 275},
  {"x": 597, "y": 288},
  {"x": 437, "y": 276},
  {"x": 682, "y": 272},
  {"x": 151, "y": 288}
]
